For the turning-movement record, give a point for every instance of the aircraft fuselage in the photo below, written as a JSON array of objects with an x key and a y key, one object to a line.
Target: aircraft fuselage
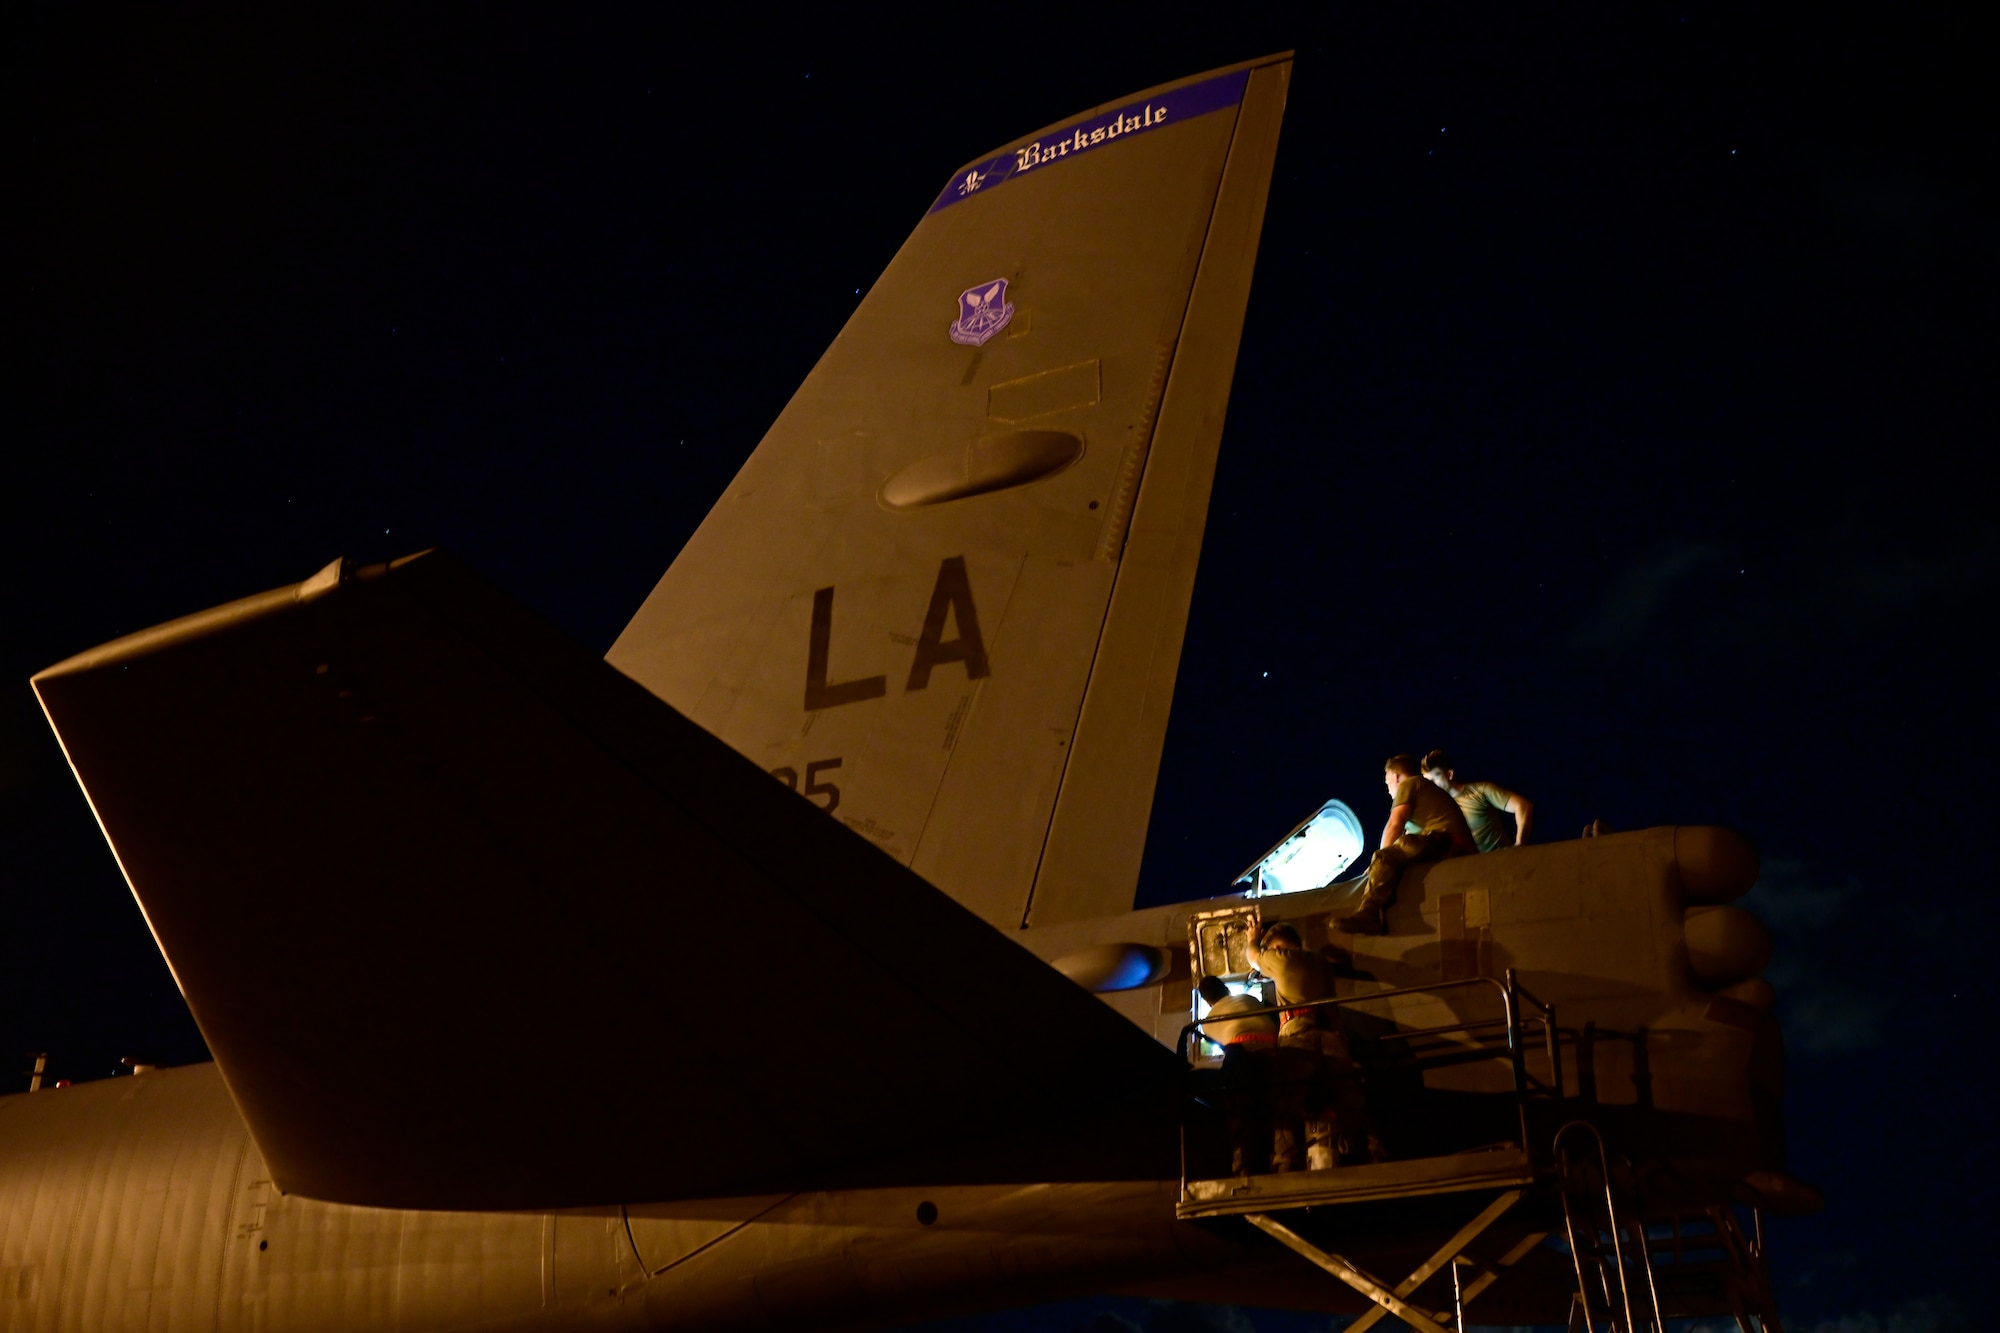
[{"x": 142, "y": 1203}]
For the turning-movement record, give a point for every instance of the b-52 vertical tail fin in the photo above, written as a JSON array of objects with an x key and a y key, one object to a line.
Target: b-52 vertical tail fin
[{"x": 945, "y": 596}]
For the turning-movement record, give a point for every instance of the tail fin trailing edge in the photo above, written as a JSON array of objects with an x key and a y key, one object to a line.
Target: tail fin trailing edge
[{"x": 1090, "y": 863}]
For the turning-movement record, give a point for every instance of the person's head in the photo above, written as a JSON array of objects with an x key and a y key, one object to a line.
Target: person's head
[
  {"x": 1213, "y": 989},
  {"x": 1439, "y": 769},
  {"x": 1281, "y": 933},
  {"x": 1398, "y": 768}
]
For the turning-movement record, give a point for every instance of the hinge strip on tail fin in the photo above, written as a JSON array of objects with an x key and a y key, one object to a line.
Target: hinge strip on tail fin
[{"x": 1090, "y": 861}]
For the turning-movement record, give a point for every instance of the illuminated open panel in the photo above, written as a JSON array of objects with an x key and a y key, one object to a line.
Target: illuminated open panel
[{"x": 1311, "y": 856}]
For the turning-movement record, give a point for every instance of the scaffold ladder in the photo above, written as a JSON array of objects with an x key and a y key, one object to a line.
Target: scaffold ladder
[{"x": 1614, "y": 1267}]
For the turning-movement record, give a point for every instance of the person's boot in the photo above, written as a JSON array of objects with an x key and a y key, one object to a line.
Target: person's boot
[
  {"x": 1320, "y": 1152},
  {"x": 1249, "y": 1140},
  {"x": 1247, "y": 1159},
  {"x": 1366, "y": 920}
]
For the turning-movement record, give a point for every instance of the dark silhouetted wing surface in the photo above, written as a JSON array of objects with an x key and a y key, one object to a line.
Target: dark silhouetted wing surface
[{"x": 470, "y": 920}]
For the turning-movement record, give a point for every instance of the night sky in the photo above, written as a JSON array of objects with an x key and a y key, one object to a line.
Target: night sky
[{"x": 1614, "y": 410}]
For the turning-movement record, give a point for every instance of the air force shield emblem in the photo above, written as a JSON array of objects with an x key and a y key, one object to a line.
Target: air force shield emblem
[{"x": 982, "y": 312}]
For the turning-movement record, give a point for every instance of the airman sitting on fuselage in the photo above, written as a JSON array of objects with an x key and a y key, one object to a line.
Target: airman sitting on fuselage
[
  {"x": 1485, "y": 805},
  {"x": 1424, "y": 825}
]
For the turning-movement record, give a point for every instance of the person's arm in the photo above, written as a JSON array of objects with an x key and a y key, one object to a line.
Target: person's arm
[
  {"x": 1394, "y": 828},
  {"x": 1523, "y": 811}
]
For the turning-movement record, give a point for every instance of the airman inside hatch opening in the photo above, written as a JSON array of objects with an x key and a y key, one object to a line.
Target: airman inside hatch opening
[
  {"x": 1424, "y": 825},
  {"x": 1249, "y": 1050}
]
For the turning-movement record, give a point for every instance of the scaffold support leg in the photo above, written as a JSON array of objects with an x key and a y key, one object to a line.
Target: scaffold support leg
[
  {"x": 1453, "y": 1249},
  {"x": 1421, "y": 1320},
  {"x": 1488, "y": 1276}
]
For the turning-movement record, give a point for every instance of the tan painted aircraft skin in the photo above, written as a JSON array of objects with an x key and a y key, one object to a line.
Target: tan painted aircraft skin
[
  {"x": 944, "y": 602},
  {"x": 143, "y": 1204}
]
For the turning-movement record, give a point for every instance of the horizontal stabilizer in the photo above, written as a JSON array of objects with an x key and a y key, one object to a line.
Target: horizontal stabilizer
[{"x": 471, "y": 920}]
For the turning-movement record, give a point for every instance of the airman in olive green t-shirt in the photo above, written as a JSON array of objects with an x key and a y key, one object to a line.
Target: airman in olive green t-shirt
[{"x": 1485, "y": 805}]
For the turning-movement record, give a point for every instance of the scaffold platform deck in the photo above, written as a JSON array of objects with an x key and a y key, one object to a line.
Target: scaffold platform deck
[{"x": 1502, "y": 1168}]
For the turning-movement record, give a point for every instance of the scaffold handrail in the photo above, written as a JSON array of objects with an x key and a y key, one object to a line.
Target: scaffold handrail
[
  {"x": 1514, "y": 1001},
  {"x": 1340, "y": 1001},
  {"x": 1511, "y": 993}
]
